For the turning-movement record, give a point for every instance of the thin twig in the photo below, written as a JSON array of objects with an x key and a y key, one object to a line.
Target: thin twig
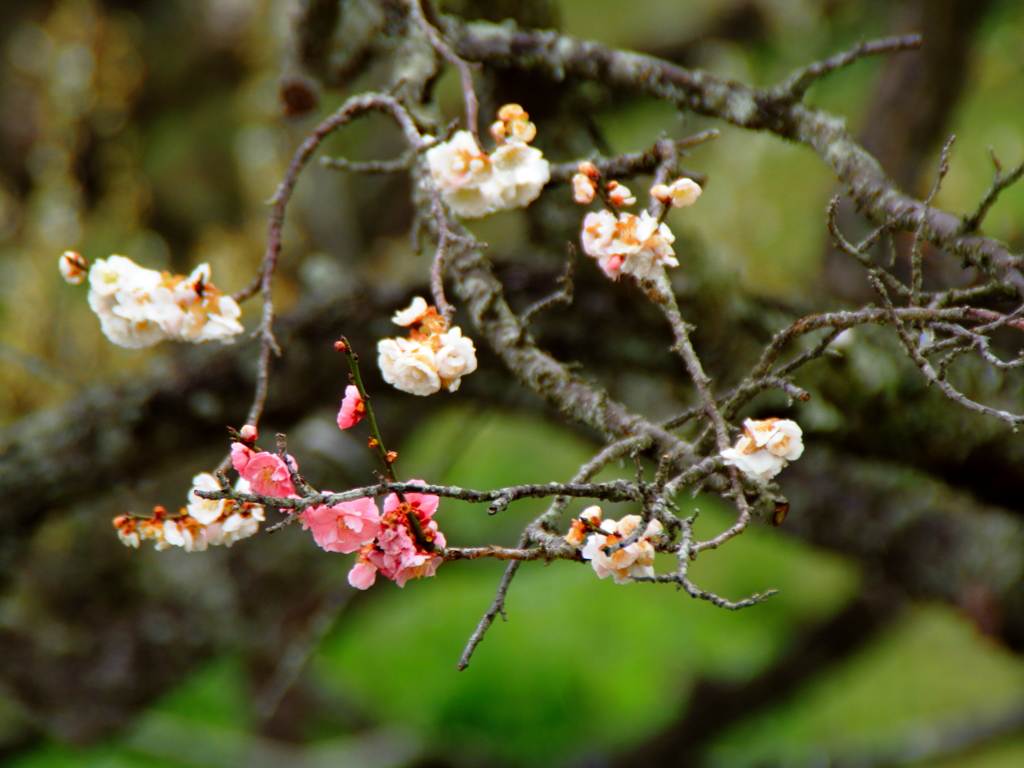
[
  {"x": 497, "y": 606},
  {"x": 797, "y": 84},
  {"x": 916, "y": 249},
  {"x": 973, "y": 222},
  {"x": 562, "y": 296},
  {"x": 632, "y": 164},
  {"x": 403, "y": 163},
  {"x": 440, "y": 45}
]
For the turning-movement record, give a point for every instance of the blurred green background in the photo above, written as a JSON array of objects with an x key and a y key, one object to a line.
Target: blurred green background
[{"x": 155, "y": 129}]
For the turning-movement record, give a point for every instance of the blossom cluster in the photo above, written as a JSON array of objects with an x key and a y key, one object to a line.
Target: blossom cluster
[
  {"x": 387, "y": 543},
  {"x": 474, "y": 183},
  {"x": 624, "y": 243},
  {"x": 140, "y": 307},
  {"x": 632, "y": 561},
  {"x": 203, "y": 523},
  {"x": 433, "y": 356},
  {"x": 765, "y": 448},
  {"x": 628, "y": 244}
]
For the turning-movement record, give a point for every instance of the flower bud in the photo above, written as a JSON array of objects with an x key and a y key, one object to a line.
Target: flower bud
[
  {"x": 583, "y": 189},
  {"x": 619, "y": 194},
  {"x": 512, "y": 112},
  {"x": 73, "y": 267}
]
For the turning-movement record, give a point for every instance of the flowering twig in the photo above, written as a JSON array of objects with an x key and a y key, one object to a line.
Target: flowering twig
[
  {"x": 629, "y": 165},
  {"x": 537, "y": 532},
  {"x": 264, "y": 280},
  {"x": 387, "y": 459},
  {"x": 559, "y": 56}
]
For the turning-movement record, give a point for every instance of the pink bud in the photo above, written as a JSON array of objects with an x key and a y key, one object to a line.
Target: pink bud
[
  {"x": 352, "y": 408},
  {"x": 249, "y": 433},
  {"x": 590, "y": 170}
]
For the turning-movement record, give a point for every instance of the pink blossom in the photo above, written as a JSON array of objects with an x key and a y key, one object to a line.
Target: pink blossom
[
  {"x": 240, "y": 455},
  {"x": 399, "y": 558},
  {"x": 424, "y": 505},
  {"x": 353, "y": 409},
  {"x": 395, "y": 553},
  {"x": 267, "y": 473},
  {"x": 345, "y": 527},
  {"x": 363, "y": 574}
]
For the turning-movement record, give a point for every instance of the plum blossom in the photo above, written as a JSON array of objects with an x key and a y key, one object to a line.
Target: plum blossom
[
  {"x": 185, "y": 532},
  {"x": 205, "y": 511},
  {"x": 765, "y": 448},
  {"x": 462, "y": 172},
  {"x": 353, "y": 409},
  {"x": 455, "y": 358},
  {"x": 133, "y": 529},
  {"x": 636, "y": 245},
  {"x": 345, "y": 527},
  {"x": 513, "y": 124},
  {"x": 201, "y": 524},
  {"x": 140, "y": 307},
  {"x": 679, "y": 194},
  {"x": 225, "y": 521},
  {"x": 434, "y": 356},
  {"x": 583, "y": 189},
  {"x": 396, "y": 553},
  {"x": 635, "y": 560},
  {"x": 411, "y": 314},
  {"x": 582, "y": 526},
  {"x": 128, "y": 530},
  {"x": 73, "y": 267},
  {"x": 474, "y": 183},
  {"x": 239, "y": 520},
  {"x": 409, "y": 365},
  {"x": 620, "y": 194},
  {"x": 520, "y": 172},
  {"x": 267, "y": 473}
]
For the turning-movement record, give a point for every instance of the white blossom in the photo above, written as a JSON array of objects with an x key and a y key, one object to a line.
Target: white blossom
[
  {"x": 474, "y": 183},
  {"x": 455, "y": 358},
  {"x": 619, "y": 194},
  {"x": 140, "y": 307},
  {"x": 222, "y": 325},
  {"x": 460, "y": 170},
  {"x": 205, "y": 510},
  {"x": 411, "y": 314},
  {"x": 520, "y": 172},
  {"x": 679, "y": 194},
  {"x": 635, "y": 560},
  {"x": 121, "y": 331},
  {"x": 73, "y": 267},
  {"x": 583, "y": 189},
  {"x": 240, "y": 526},
  {"x": 409, "y": 365},
  {"x": 130, "y": 538},
  {"x": 185, "y": 533},
  {"x": 636, "y": 245},
  {"x": 435, "y": 356},
  {"x": 765, "y": 448}
]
